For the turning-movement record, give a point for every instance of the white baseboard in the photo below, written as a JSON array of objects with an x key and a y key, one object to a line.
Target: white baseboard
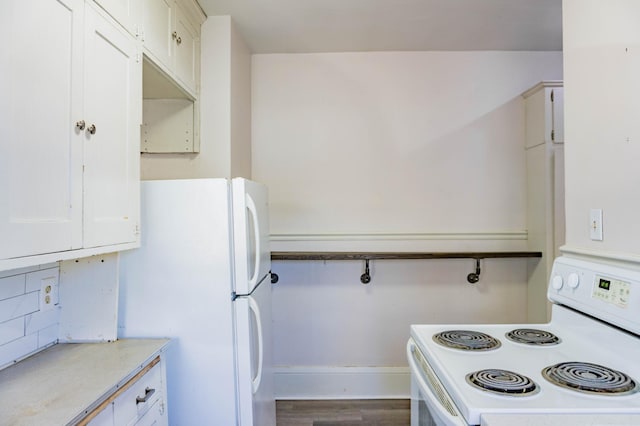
[{"x": 342, "y": 382}]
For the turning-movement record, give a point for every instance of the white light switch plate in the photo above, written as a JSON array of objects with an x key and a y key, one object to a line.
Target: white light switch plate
[{"x": 595, "y": 224}]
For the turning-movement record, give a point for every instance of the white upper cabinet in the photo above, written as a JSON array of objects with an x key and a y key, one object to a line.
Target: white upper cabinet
[
  {"x": 124, "y": 12},
  {"x": 157, "y": 25},
  {"x": 545, "y": 113},
  {"x": 187, "y": 48},
  {"x": 557, "y": 114},
  {"x": 170, "y": 31},
  {"x": 113, "y": 106},
  {"x": 40, "y": 150},
  {"x": 69, "y": 131}
]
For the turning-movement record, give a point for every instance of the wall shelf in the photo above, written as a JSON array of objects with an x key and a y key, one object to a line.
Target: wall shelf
[
  {"x": 367, "y": 256},
  {"x": 299, "y": 255}
]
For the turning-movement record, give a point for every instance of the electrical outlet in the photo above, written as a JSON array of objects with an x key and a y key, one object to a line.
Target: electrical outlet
[
  {"x": 48, "y": 293},
  {"x": 595, "y": 225}
]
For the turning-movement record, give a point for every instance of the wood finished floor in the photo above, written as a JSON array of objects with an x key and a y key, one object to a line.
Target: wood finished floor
[{"x": 368, "y": 412}]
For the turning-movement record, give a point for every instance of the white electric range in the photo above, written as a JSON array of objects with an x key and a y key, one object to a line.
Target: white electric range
[{"x": 586, "y": 360}]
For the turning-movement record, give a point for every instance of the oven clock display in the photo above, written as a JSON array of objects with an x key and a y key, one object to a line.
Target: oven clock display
[
  {"x": 604, "y": 284},
  {"x": 612, "y": 291}
]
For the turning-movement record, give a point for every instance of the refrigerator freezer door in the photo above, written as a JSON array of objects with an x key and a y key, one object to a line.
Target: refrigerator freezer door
[
  {"x": 254, "y": 358},
  {"x": 250, "y": 234}
]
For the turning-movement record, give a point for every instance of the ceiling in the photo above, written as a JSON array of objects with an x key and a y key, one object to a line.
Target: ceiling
[{"x": 305, "y": 26}]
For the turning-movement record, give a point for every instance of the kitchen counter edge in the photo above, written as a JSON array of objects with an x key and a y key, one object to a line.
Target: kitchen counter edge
[{"x": 65, "y": 382}]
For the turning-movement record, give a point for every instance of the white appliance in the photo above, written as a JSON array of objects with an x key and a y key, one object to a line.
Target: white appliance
[
  {"x": 202, "y": 277},
  {"x": 584, "y": 361}
]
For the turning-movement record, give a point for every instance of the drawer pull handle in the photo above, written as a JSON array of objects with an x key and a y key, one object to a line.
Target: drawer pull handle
[{"x": 148, "y": 392}]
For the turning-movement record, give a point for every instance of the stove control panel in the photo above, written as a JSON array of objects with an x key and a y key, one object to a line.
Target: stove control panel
[
  {"x": 606, "y": 291},
  {"x": 613, "y": 291}
]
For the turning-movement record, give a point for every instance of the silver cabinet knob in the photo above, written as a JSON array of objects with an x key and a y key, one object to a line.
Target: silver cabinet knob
[
  {"x": 80, "y": 125},
  {"x": 174, "y": 35},
  {"x": 92, "y": 129}
]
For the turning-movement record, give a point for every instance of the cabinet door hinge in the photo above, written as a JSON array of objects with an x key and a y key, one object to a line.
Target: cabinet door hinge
[
  {"x": 139, "y": 34},
  {"x": 553, "y": 135},
  {"x": 551, "y": 96}
]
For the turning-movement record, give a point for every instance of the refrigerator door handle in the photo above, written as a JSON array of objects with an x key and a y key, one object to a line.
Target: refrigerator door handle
[
  {"x": 255, "y": 382},
  {"x": 251, "y": 206}
]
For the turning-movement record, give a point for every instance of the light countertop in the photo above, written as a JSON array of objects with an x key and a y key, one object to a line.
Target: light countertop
[
  {"x": 560, "y": 420},
  {"x": 62, "y": 383}
]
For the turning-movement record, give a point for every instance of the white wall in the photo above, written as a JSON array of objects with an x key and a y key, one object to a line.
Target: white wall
[
  {"x": 426, "y": 142},
  {"x": 602, "y": 129},
  {"x": 389, "y": 151},
  {"x": 225, "y": 111}
]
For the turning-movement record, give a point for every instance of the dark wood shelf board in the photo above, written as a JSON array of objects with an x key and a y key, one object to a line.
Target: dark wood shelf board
[{"x": 299, "y": 255}]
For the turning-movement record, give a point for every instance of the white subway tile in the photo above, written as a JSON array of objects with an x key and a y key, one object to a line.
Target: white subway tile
[
  {"x": 41, "y": 319},
  {"x": 34, "y": 279},
  {"x": 27, "y": 269},
  {"x": 12, "y": 286},
  {"x": 11, "y": 330},
  {"x": 17, "y": 349},
  {"x": 19, "y": 271},
  {"x": 48, "y": 335},
  {"x": 19, "y": 306}
]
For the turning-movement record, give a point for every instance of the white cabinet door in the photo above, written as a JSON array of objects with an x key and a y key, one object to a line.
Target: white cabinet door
[
  {"x": 186, "y": 49},
  {"x": 171, "y": 40},
  {"x": 557, "y": 114},
  {"x": 113, "y": 113},
  {"x": 40, "y": 167},
  {"x": 66, "y": 66},
  {"x": 123, "y": 11},
  {"x": 157, "y": 26}
]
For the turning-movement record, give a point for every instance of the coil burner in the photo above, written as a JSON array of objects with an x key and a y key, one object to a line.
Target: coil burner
[
  {"x": 503, "y": 382},
  {"x": 466, "y": 340},
  {"x": 590, "y": 378},
  {"x": 530, "y": 336}
]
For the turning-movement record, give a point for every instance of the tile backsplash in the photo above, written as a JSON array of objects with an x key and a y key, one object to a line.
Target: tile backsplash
[{"x": 28, "y": 321}]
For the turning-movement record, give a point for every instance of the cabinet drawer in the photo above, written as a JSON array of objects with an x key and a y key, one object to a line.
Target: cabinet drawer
[
  {"x": 139, "y": 397},
  {"x": 156, "y": 416}
]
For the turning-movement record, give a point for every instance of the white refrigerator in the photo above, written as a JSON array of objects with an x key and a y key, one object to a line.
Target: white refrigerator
[{"x": 202, "y": 277}]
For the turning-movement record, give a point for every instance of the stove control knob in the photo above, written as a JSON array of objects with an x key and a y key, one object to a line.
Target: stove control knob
[
  {"x": 574, "y": 280},
  {"x": 557, "y": 282}
]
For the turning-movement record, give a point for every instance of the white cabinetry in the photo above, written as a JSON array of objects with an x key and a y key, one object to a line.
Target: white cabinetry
[
  {"x": 113, "y": 106},
  {"x": 124, "y": 12},
  {"x": 69, "y": 130},
  {"x": 544, "y": 149},
  {"x": 171, "y": 39},
  {"x": 141, "y": 401}
]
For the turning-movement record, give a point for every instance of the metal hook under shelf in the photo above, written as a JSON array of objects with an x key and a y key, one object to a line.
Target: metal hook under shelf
[
  {"x": 366, "y": 277},
  {"x": 475, "y": 277}
]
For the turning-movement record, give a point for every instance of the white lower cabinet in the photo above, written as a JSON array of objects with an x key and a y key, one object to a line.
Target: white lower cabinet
[
  {"x": 70, "y": 118},
  {"x": 140, "y": 402},
  {"x": 104, "y": 418},
  {"x": 156, "y": 416}
]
